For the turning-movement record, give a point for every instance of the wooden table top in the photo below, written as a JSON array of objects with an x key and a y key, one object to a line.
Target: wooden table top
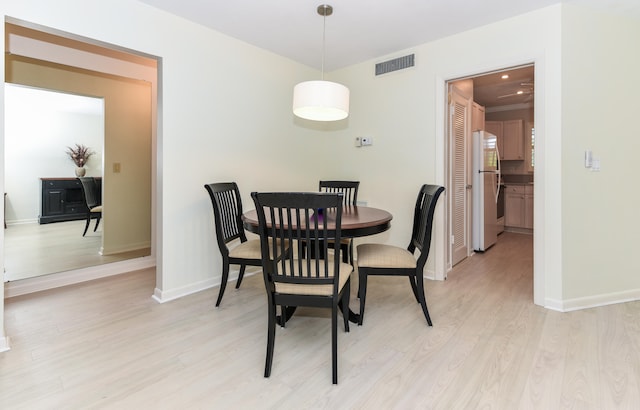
[{"x": 357, "y": 221}]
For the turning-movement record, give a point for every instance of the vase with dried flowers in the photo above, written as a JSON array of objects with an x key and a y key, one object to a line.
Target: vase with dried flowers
[{"x": 80, "y": 155}]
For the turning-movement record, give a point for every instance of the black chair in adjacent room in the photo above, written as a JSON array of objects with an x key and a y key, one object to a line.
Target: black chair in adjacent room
[
  {"x": 300, "y": 278},
  {"x": 349, "y": 190},
  {"x": 227, "y": 212},
  {"x": 91, "y": 190},
  {"x": 380, "y": 259}
]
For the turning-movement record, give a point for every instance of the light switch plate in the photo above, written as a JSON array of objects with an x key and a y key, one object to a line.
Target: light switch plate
[{"x": 588, "y": 159}]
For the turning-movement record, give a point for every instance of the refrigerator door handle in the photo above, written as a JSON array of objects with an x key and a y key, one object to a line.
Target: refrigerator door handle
[{"x": 499, "y": 178}]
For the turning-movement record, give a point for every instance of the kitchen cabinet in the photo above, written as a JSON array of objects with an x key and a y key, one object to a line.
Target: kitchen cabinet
[
  {"x": 495, "y": 128},
  {"x": 510, "y": 136},
  {"x": 61, "y": 200},
  {"x": 513, "y": 140},
  {"x": 518, "y": 212},
  {"x": 477, "y": 117}
]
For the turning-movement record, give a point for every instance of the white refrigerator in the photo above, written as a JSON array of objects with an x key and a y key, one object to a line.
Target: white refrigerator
[{"x": 486, "y": 180}]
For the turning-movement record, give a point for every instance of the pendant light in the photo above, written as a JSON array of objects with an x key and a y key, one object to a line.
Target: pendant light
[{"x": 321, "y": 100}]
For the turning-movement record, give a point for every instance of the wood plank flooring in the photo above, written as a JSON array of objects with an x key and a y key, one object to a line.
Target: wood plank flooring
[
  {"x": 107, "y": 344},
  {"x": 33, "y": 250}
]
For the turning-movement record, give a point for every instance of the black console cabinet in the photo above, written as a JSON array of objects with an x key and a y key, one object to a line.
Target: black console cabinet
[{"x": 62, "y": 200}]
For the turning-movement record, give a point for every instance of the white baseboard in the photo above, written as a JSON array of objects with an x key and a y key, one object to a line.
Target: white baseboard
[
  {"x": 56, "y": 280},
  {"x": 588, "y": 302},
  {"x": 4, "y": 344},
  {"x": 162, "y": 296},
  {"x": 22, "y": 222},
  {"x": 429, "y": 274}
]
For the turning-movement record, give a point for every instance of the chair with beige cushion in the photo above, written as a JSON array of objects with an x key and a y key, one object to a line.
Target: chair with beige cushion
[
  {"x": 234, "y": 246},
  {"x": 349, "y": 190},
  {"x": 379, "y": 259},
  {"x": 317, "y": 278}
]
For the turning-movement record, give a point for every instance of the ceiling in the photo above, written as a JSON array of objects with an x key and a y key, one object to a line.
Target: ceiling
[
  {"x": 492, "y": 90},
  {"x": 358, "y": 30},
  {"x": 361, "y": 30}
]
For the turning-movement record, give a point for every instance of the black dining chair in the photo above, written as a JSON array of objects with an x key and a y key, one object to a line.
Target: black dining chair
[
  {"x": 349, "y": 190},
  {"x": 380, "y": 259},
  {"x": 91, "y": 191},
  {"x": 299, "y": 278},
  {"x": 227, "y": 212}
]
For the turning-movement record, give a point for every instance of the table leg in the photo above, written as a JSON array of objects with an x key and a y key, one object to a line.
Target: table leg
[
  {"x": 290, "y": 310},
  {"x": 353, "y": 317}
]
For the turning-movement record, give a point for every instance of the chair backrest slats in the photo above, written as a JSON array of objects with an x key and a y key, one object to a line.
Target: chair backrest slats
[
  {"x": 227, "y": 211},
  {"x": 423, "y": 220},
  {"x": 349, "y": 190},
  {"x": 302, "y": 222},
  {"x": 228, "y": 206}
]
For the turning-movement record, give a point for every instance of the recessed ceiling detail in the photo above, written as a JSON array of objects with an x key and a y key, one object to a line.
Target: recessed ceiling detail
[{"x": 491, "y": 90}]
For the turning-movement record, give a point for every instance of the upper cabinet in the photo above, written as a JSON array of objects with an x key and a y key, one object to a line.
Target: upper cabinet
[
  {"x": 477, "y": 117},
  {"x": 495, "y": 128},
  {"x": 513, "y": 140},
  {"x": 510, "y": 136}
]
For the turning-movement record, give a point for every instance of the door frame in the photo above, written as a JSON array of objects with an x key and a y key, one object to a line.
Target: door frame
[
  {"x": 72, "y": 276},
  {"x": 442, "y": 165}
]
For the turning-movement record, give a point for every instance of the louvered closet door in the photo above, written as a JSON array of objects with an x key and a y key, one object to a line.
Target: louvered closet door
[{"x": 459, "y": 117}]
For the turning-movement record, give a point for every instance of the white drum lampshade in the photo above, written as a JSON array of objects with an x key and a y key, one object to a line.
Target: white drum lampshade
[{"x": 321, "y": 101}]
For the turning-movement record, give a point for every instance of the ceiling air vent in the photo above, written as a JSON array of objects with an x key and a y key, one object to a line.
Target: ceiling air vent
[{"x": 395, "y": 64}]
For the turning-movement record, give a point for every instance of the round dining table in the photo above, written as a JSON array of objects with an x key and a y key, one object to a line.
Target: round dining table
[{"x": 357, "y": 221}]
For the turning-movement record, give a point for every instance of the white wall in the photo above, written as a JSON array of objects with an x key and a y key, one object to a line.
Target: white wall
[
  {"x": 586, "y": 98},
  {"x": 38, "y": 129},
  {"x": 601, "y": 63},
  {"x": 226, "y": 111},
  {"x": 226, "y": 115},
  {"x": 404, "y": 112}
]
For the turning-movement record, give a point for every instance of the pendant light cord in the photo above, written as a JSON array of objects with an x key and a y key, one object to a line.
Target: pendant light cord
[
  {"x": 324, "y": 31},
  {"x": 324, "y": 10}
]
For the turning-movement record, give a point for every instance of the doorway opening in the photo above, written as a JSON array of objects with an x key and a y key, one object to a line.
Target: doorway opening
[
  {"x": 499, "y": 102},
  {"x": 39, "y": 124},
  {"x": 45, "y": 58}
]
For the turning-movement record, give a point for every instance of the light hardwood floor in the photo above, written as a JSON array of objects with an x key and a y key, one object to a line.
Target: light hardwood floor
[
  {"x": 33, "y": 250},
  {"x": 106, "y": 344}
]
